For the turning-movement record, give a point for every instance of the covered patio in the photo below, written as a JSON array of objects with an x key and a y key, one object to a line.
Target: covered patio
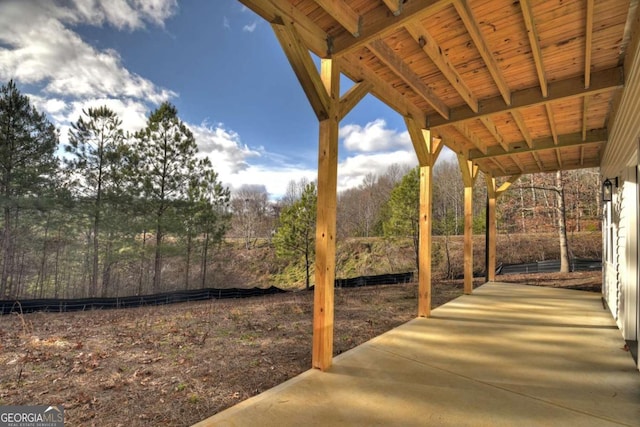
[
  {"x": 512, "y": 88},
  {"x": 506, "y": 355}
]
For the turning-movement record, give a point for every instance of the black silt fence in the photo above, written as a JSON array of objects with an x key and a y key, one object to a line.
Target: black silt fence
[{"x": 551, "y": 266}]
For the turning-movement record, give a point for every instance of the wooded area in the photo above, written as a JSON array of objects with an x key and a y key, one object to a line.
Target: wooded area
[{"x": 129, "y": 214}]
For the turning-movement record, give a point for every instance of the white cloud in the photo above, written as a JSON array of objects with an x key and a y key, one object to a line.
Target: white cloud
[
  {"x": 352, "y": 170},
  {"x": 225, "y": 23},
  {"x": 223, "y": 147},
  {"x": 250, "y": 28},
  {"x": 373, "y": 137}
]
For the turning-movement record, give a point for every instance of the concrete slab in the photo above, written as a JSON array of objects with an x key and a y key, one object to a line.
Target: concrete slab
[{"x": 506, "y": 355}]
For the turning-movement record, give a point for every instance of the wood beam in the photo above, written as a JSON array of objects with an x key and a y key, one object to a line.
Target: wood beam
[
  {"x": 588, "y": 40},
  {"x": 534, "y": 41},
  {"x": 471, "y": 137},
  {"x": 387, "y": 56},
  {"x": 440, "y": 59},
  {"x": 303, "y": 66},
  {"x": 315, "y": 38},
  {"x": 344, "y": 14},
  {"x": 601, "y": 82},
  {"x": 519, "y": 119},
  {"x": 596, "y": 136},
  {"x": 552, "y": 122},
  {"x": 395, "y": 6},
  {"x": 354, "y": 95},
  {"x": 323, "y": 306},
  {"x": 493, "y": 129},
  {"x": 384, "y": 91},
  {"x": 585, "y": 116},
  {"x": 470, "y": 23},
  {"x": 420, "y": 138},
  {"x": 379, "y": 23}
]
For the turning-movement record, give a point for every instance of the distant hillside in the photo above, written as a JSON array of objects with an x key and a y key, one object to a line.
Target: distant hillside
[{"x": 236, "y": 266}]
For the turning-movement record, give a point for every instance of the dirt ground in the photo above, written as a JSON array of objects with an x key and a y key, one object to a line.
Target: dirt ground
[{"x": 176, "y": 365}]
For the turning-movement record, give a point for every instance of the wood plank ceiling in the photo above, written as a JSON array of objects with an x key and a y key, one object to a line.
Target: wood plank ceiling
[{"x": 516, "y": 86}]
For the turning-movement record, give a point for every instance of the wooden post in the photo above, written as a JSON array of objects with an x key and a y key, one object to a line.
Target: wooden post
[
  {"x": 491, "y": 228},
  {"x": 326, "y": 222},
  {"x": 492, "y": 196},
  {"x": 424, "y": 268},
  {"x": 427, "y": 149},
  {"x": 469, "y": 174}
]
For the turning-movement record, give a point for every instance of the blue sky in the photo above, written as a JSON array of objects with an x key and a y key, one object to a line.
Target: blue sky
[{"x": 217, "y": 61}]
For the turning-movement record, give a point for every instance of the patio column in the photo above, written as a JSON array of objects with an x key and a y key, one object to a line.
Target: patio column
[
  {"x": 427, "y": 149},
  {"x": 469, "y": 175},
  {"x": 492, "y": 195},
  {"x": 323, "y": 92}
]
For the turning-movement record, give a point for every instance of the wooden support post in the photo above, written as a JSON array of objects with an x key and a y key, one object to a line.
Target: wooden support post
[
  {"x": 491, "y": 228},
  {"x": 469, "y": 174},
  {"x": 493, "y": 193},
  {"x": 427, "y": 149},
  {"x": 323, "y": 307},
  {"x": 424, "y": 267}
]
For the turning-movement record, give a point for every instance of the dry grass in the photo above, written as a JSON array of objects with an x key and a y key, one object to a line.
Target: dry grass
[{"x": 176, "y": 365}]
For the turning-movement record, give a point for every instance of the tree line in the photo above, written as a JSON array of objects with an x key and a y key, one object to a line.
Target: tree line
[{"x": 113, "y": 213}]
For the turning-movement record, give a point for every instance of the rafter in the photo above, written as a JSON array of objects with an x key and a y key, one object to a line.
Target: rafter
[
  {"x": 395, "y": 6},
  {"x": 601, "y": 81},
  {"x": 379, "y": 22},
  {"x": 438, "y": 57},
  {"x": 384, "y": 91},
  {"x": 304, "y": 67},
  {"x": 585, "y": 116},
  {"x": 387, "y": 56},
  {"x": 471, "y": 137},
  {"x": 493, "y": 129},
  {"x": 471, "y": 25},
  {"x": 315, "y": 38},
  {"x": 519, "y": 119},
  {"x": 598, "y": 136},
  {"x": 588, "y": 43},
  {"x": 552, "y": 122},
  {"x": 529, "y": 22},
  {"x": 345, "y": 15}
]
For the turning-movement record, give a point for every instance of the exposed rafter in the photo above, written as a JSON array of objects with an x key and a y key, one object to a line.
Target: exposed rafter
[
  {"x": 315, "y": 38},
  {"x": 585, "y": 117},
  {"x": 598, "y": 136},
  {"x": 471, "y": 25},
  {"x": 471, "y": 137},
  {"x": 601, "y": 81},
  {"x": 588, "y": 43},
  {"x": 493, "y": 129},
  {"x": 345, "y": 15},
  {"x": 534, "y": 41},
  {"x": 395, "y": 6},
  {"x": 379, "y": 22},
  {"x": 385, "y": 92},
  {"x": 439, "y": 58},
  {"x": 552, "y": 122},
  {"x": 400, "y": 68},
  {"x": 524, "y": 130}
]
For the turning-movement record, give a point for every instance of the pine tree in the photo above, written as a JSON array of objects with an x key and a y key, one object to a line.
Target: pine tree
[
  {"x": 166, "y": 151},
  {"x": 95, "y": 151},
  {"x": 27, "y": 165},
  {"x": 295, "y": 236}
]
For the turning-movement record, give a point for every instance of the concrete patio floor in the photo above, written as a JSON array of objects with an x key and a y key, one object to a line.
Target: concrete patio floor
[{"x": 507, "y": 355}]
